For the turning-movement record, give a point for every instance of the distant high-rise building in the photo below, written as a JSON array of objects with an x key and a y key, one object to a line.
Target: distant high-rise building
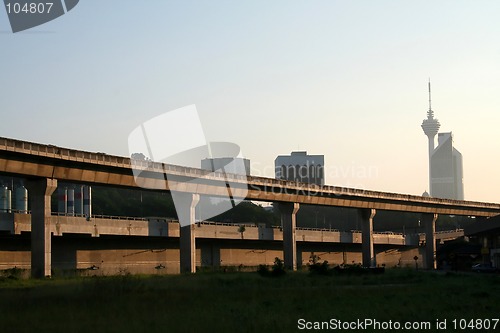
[
  {"x": 446, "y": 170},
  {"x": 445, "y": 162},
  {"x": 298, "y": 166}
]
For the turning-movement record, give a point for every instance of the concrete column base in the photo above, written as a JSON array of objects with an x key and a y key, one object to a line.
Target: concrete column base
[
  {"x": 429, "y": 221},
  {"x": 369, "y": 258},
  {"x": 289, "y": 220},
  {"x": 186, "y": 209},
  {"x": 39, "y": 194}
]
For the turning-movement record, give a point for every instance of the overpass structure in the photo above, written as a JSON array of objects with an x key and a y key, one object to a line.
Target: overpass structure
[{"x": 44, "y": 165}]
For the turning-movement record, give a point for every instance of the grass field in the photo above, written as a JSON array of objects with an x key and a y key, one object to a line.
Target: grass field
[{"x": 243, "y": 302}]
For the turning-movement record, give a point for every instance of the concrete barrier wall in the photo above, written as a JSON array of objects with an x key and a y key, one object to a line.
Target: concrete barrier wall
[
  {"x": 98, "y": 226},
  {"x": 113, "y": 246},
  {"x": 154, "y": 255}
]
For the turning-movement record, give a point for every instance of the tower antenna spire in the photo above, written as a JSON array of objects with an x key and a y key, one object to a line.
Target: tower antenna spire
[{"x": 430, "y": 94}]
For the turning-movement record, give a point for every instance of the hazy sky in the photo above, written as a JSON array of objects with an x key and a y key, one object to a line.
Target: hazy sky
[{"x": 347, "y": 79}]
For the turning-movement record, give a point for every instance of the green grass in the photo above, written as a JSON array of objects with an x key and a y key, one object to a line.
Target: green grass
[{"x": 240, "y": 302}]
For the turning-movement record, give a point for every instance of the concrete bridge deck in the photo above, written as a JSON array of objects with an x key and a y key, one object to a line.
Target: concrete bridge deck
[{"x": 27, "y": 159}]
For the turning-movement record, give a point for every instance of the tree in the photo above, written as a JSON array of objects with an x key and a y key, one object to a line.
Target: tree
[{"x": 139, "y": 157}]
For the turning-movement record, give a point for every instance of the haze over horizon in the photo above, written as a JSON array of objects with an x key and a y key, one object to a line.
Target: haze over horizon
[{"x": 344, "y": 79}]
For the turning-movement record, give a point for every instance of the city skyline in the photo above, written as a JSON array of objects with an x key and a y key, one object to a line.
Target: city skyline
[
  {"x": 344, "y": 80},
  {"x": 445, "y": 161}
]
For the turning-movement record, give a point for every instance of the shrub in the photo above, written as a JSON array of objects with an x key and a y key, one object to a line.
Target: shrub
[
  {"x": 321, "y": 269},
  {"x": 277, "y": 269},
  {"x": 263, "y": 270},
  {"x": 315, "y": 267}
]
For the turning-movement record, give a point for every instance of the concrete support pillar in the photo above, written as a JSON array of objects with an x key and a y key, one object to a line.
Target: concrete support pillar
[
  {"x": 485, "y": 243},
  {"x": 87, "y": 201},
  {"x": 186, "y": 209},
  {"x": 210, "y": 255},
  {"x": 429, "y": 221},
  {"x": 485, "y": 250},
  {"x": 79, "y": 200},
  {"x": 367, "y": 215},
  {"x": 289, "y": 220},
  {"x": 41, "y": 248},
  {"x": 71, "y": 202},
  {"x": 62, "y": 200}
]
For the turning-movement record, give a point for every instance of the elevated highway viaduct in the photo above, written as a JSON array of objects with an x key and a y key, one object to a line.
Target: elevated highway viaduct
[{"x": 44, "y": 165}]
